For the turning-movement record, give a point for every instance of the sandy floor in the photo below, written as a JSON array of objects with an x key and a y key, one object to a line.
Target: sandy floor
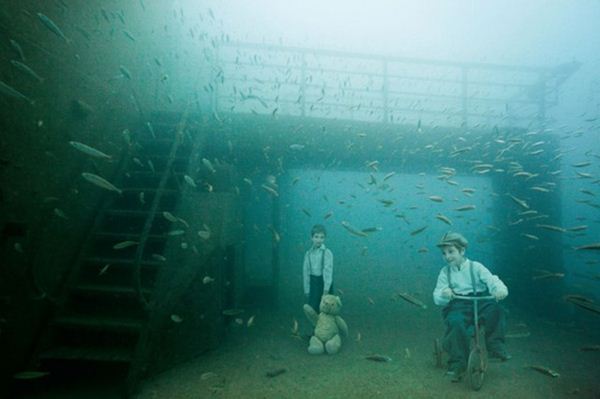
[{"x": 238, "y": 368}]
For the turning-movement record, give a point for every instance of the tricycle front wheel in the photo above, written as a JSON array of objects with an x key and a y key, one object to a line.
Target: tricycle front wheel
[{"x": 476, "y": 367}]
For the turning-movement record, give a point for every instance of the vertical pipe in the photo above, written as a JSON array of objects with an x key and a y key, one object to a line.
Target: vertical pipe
[
  {"x": 303, "y": 84},
  {"x": 385, "y": 92},
  {"x": 465, "y": 96},
  {"x": 275, "y": 254}
]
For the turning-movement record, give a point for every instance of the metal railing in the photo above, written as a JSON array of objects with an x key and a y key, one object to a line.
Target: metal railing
[{"x": 278, "y": 80}]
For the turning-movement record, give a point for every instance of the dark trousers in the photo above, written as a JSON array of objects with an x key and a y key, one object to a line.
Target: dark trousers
[
  {"x": 458, "y": 317},
  {"x": 316, "y": 291}
]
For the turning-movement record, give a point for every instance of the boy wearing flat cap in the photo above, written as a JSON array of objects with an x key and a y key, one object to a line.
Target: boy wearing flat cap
[{"x": 462, "y": 276}]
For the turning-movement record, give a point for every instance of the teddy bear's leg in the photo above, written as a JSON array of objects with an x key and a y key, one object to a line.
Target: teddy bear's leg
[
  {"x": 315, "y": 347},
  {"x": 334, "y": 345}
]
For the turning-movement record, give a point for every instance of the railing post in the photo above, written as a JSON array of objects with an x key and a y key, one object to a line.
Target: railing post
[
  {"x": 303, "y": 84},
  {"x": 385, "y": 92},
  {"x": 541, "y": 95},
  {"x": 465, "y": 96}
]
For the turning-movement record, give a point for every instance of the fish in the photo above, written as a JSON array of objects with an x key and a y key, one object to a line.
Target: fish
[
  {"x": 371, "y": 229},
  {"x": 208, "y": 165},
  {"x": 551, "y": 227},
  {"x": 583, "y": 302},
  {"x": 547, "y": 275},
  {"x": 11, "y": 92},
  {"x": 169, "y": 216},
  {"x": 270, "y": 190},
  {"x": 208, "y": 375},
  {"x": 142, "y": 198},
  {"x": 100, "y": 182},
  {"x": 518, "y": 334},
  {"x": 590, "y": 348},
  {"x": 176, "y": 318},
  {"x": 436, "y": 198},
  {"x": 444, "y": 219},
  {"x": 520, "y": 202},
  {"x": 417, "y": 231},
  {"x": 188, "y": 179},
  {"x": 379, "y": 358},
  {"x": 104, "y": 269},
  {"x": 388, "y": 176},
  {"x": 306, "y": 212},
  {"x": 352, "y": 229},
  {"x": 581, "y": 164},
  {"x": 86, "y": 149},
  {"x": 296, "y": 147},
  {"x": 26, "y": 69},
  {"x": 52, "y": 27},
  {"x": 386, "y": 202},
  {"x": 594, "y": 246},
  {"x": 17, "y": 47},
  {"x": 411, "y": 299},
  {"x": 159, "y": 257},
  {"x": 545, "y": 370},
  {"x": 151, "y": 129},
  {"x": 465, "y": 208},
  {"x": 177, "y": 232},
  {"x": 276, "y": 236},
  {"x": 530, "y": 236},
  {"x": 232, "y": 312},
  {"x": 30, "y": 375},
  {"x": 207, "y": 280},
  {"x": 294, "y": 328},
  {"x": 250, "y": 321},
  {"x": 129, "y": 35},
  {"x": 60, "y": 214},
  {"x": 125, "y": 244},
  {"x": 125, "y": 72},
  {"x": 204, "y": 234},
  {"x": 275, "y": 372}
]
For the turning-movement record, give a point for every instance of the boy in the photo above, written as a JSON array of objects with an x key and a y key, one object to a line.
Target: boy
[
  {"x": 462, "y": 276},
  {"x": 317, "y": 270}
]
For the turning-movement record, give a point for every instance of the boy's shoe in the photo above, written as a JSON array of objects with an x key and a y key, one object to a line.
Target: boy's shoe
[
  {"x": 455, "y": 373},
  {"x": 501, "y": 355}
]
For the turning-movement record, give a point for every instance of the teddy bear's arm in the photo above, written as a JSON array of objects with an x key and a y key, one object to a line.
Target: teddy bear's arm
[
  {"x": 341, "y": 325},
  {"x": 311, "y": 315}
]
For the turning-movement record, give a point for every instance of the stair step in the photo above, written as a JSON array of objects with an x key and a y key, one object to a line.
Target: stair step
[
  {"x": 148, "y": 190},
  {"x": 115, "y": 261},
  {"x": 125, "y": 212},
  {"x": 103, "y": 289},
  {"x": 129, "y": 236},
  {"x": 103, "y": 354},
  {"x": 99, "y": 323}
]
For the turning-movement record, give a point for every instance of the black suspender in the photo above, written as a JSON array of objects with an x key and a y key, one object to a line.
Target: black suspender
[{"x": 472, "y": 277}]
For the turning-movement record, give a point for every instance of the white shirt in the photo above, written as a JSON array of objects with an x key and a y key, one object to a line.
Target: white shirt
[
  {"x": 316, "y": 265},
  {"x": 462, "y": 284}
]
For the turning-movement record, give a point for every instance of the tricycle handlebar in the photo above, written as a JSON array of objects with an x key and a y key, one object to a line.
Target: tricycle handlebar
[{"x": 473, "y": 298}]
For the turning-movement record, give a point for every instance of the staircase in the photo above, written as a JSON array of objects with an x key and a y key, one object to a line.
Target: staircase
[{"x": 103, "y": 310}]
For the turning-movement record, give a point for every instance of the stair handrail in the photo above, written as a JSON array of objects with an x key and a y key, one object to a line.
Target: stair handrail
[{"x": 153, "y": 209}]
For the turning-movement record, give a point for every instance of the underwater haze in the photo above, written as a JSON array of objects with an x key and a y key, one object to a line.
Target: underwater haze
[{"x": 162, "y": 164}]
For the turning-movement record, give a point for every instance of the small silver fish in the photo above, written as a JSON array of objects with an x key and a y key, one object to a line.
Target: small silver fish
[
  {"x": 11, "y": 92},
  {"x": 190, "y": 181},
  {"x": 208, "y": 165},
  {"x": 52, "y": 27},
  {"x": 17, "y": 47},
  {"x": 27, "y": 70},
  {"x": 100, "y": 182},
  {"x": 125, "y": 244},
  {"x": 86, "y": 149}
]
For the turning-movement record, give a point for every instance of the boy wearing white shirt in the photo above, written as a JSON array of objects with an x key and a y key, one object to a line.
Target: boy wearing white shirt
[
  {"x": 317, "y": 269},
  {"x": 462, "y": 276}
]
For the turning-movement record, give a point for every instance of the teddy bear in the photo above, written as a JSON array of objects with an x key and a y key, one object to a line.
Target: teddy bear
[{"x": 328, "y": 326}]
